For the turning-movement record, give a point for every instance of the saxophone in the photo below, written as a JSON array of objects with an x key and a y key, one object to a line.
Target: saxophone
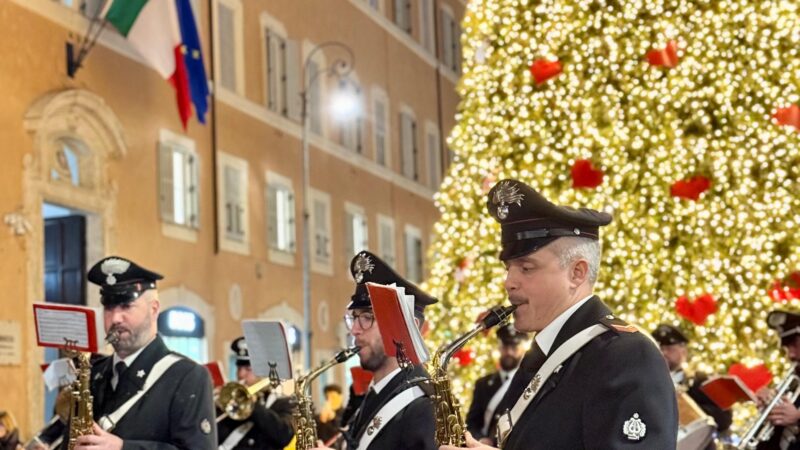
[
  {"x": 303, "y": 416},
  {"x": 449, "y": 421},
  {"x": 80, "y": 398}
]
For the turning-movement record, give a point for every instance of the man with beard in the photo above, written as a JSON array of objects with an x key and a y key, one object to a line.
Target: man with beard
[
  {"x": 490, "y": 389},
  {"x": 590, "y": 380},
  {"x": 145, "y": 397},
  {"x": 269, "y": 427},
  {"x": 673, "y": 345},
  {"x": 396, "y": 413}
]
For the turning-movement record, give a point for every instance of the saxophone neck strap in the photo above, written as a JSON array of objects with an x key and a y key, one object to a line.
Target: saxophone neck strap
[
  {"x": 553, "y": 363},
  {"x": 109, "y": 421},
  {"x": 387, "y": 412}
]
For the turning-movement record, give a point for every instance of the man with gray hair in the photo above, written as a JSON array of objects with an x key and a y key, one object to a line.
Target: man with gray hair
[
  {"x": 590, "y": 380},
  {"x": 144, "y": 396}
]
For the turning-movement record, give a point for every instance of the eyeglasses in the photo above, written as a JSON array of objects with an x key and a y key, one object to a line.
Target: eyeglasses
[{"x": 365, "y": 320}]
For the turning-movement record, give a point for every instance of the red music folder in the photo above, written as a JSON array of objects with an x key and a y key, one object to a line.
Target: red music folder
[
  {"x": 394, "y": 313},
  {"x": 361, "y": 379},
  {"x": 215, "y": 370},
  {"x": 56, "y": 324},
  {"x": 726, "y": 390}
]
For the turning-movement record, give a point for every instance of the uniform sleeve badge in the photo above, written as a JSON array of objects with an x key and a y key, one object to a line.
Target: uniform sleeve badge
[
  {"x": 205, "y": 426},
  {"x": 634, "y": 428}
]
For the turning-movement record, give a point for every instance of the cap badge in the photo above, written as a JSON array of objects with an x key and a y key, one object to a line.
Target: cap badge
[
  {"x": 362, "y": 264},
  {"x": 634, "y": 428},
  {"x": 114, "y": 266},
  {"x": 505, "y": 195}
]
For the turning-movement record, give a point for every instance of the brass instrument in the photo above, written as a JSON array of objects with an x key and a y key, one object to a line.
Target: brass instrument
[
  {"x": 762, "y": 429},
  {"x": 303, "y": 416},
  {"x": 449, "y": 420},
  {"x": 80, "y": 398},
  {"x": 238, "y": 401}
]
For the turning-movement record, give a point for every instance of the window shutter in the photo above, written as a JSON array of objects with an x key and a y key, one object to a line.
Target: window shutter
[
  {"x": 293, "y": 85},
  {"x": 282, "y": 77},
  {"x": 414, "y": 151},
  {"x": 232, "y": 206},
  {"x": 272, "y": 72},
  {"x": 272, "y": 216},
  {"x": 193, "y": 191},
  {"x": 314, "y": 99},
  {"x": 291, "y": 220},
  {"x": 350, "y": 234},
  {"x": 227, "y": 47},
  {"x": 165, "y": 191},
  {"x": 364, "y": 233},
  {"x": 447, "y": 40},
  {"x": 407, "y": 19},
  {"x": 418, "y": 259},
  {"x": 405, "y": 144}
]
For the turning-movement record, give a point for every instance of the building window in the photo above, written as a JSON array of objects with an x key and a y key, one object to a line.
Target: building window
[
  {"x": 351, "y": 120},
  {"x": 233, "y": 209},
  {"x": 321, "y": 245},
  {"x": 408, "y": 145},
  {"x": 69, "y": 162},
  {"x": 413, "y": 253},
  {"x": 380, "y": 123},
  {"x": 386, "y": 240},
  {"x": 280, "y": 214},
  {"x": 356, "y": 229},
  {"x": 179, "y": 193},
  {"x": 434, "y": 151},
  {"x": 451, "y": 41},
  {"x": 402, "y": 14},
  {"x": 426, "y": 25},
  {"x": 183, "y": 331},
  {"x": 229, "y": 26}
]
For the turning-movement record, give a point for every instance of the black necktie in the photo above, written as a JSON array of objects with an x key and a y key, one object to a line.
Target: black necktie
[
  {"x": 533, "y": 360},
  {"x": 120, "y": 368}
]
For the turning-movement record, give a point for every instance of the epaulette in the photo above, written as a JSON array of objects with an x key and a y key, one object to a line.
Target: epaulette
[{"x": 618, "y": 325}]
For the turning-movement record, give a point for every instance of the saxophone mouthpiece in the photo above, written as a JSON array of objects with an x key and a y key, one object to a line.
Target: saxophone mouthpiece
[
  {"x": 112, "y": 337},
  {"x": 346, "y": 354},
  {"x": 497, "y": 315}
]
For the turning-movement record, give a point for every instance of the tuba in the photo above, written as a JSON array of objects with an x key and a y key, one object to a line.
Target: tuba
[
  {"x": 449, "y": 421},
  {"x": 762, "y": 430},
  {"x": 303, "y": 416}
]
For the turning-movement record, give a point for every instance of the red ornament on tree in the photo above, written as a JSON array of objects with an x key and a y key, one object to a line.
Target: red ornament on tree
[
  {"x": 697, "y": 310},
  {"x": 754, "y": 377},
  {"x": 543, "y": 70},
  {"x": 789, "y": 116},
  {"x": 690, "y": 189},
  {"x": 585, "y": 175},
  {"x": 664, "y": 57},
  {"x": 464, "y": 356},
  {"x": 785, "y": 290}
]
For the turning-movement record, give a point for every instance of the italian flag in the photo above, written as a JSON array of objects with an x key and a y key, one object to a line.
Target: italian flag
[{"x": 152, "y": 28}]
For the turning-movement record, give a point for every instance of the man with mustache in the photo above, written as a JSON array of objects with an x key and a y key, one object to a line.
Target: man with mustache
[
  {"x": 145, "y": 397},
  {"x": 396, "y": 412},
  {"x": 590, "y": 381},
  {"x": 490, "y": 389}
]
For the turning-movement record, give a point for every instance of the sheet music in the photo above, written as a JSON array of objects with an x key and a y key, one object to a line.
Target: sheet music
[
  {"x": 266, "y": 341},
  {"x": 55, "y": 326}
]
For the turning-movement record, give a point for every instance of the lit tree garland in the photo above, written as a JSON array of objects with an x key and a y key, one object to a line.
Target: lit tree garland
[{"x": 678, "y": 116}]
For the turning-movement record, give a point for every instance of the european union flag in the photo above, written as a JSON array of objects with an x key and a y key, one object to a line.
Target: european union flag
[{"x": 193, "y": 58}]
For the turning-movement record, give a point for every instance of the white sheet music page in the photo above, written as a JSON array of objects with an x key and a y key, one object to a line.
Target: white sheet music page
[{"x": 267, "y": 341}]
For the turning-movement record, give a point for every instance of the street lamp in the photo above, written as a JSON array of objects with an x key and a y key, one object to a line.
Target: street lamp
[{"x": 339, "y": 68}]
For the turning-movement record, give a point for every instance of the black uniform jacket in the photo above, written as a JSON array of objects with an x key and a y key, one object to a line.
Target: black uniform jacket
[
  {"x": 485, "y": 388},
  {"x": 272, "y": 427},
  {"x": 412, "y": 428},
  {"x": 176, "y": 413},
  {"x": 619, "y": 377}
]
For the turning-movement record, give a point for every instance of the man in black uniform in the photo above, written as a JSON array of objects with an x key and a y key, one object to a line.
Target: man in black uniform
[
  {"x": 145, "y": 397},
  {"x": 269, "y": 426},
  {"x": 490, "y": 389},
  {"x": 673, "y": 344},
  {"x": 785, "y": 416},
  {"x": 589, "y": 380},
  {"x": 383, "y": 423}
]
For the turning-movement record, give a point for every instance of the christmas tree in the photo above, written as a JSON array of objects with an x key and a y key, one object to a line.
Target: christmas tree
[{"x": 680, "y": 117}]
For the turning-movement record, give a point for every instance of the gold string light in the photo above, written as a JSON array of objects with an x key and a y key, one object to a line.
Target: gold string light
[{"x": 646, "y": 127}]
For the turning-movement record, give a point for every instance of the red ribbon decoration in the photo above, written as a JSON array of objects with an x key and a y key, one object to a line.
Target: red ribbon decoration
[
  {"x": 755, "y": 377},
  {"x": 690, "y": 189},
  {"x": 543, "y": 70},
  {"x": 697, "y": 310},
  {"x": 664, "y": 57},
  {"x": 785, "y": 290},
  {"x": 789, "y": 116},
  {"x": 585, "y": 175}
]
